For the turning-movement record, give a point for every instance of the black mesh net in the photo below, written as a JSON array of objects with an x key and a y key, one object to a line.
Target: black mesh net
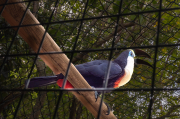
[{"x": 92, "y": 30}]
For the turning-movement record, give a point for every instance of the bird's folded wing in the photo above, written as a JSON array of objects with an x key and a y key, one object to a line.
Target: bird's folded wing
[{"x": 98, "y": 68}]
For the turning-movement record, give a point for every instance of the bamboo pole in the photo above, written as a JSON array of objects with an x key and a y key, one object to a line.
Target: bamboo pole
[{"x": 57, "y": 62}]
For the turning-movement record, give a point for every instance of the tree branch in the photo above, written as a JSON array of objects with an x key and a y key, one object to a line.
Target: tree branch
[
  {"x": 42, "y": 94},
  {"x": 73, "y": 109},
  {"x": 35, "y": 8},
  {"x": 10, "y": 98}
]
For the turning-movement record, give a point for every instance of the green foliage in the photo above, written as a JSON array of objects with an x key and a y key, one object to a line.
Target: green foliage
[{"x": 98, "y": 34}]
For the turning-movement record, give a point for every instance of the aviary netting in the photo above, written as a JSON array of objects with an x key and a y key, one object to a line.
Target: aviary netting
[{"x": 86, "y": 31}]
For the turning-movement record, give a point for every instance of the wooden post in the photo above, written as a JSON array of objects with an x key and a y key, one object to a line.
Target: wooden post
[{"x": 57, "y": 62}]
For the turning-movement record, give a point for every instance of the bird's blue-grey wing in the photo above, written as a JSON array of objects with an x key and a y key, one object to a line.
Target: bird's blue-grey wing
[{"x": 94, "y": 72}]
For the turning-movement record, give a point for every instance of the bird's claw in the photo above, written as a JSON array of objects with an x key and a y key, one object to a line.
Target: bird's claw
[
  {"x": 109, "y": 109},
  {"x": 96, "y": 95}
]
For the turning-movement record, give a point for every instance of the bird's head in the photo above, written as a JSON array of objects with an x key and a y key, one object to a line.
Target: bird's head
[{"x": 128, "y": 58}]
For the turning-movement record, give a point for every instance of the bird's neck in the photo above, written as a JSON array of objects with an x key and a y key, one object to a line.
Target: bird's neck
[
  {"x": 119, "y": 60},
  {"x": 128, "y": 71},
  {"x": 130, "y": 65}
]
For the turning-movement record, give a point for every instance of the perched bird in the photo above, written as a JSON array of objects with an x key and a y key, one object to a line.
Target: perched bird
[{"x": 94, "y": 72}]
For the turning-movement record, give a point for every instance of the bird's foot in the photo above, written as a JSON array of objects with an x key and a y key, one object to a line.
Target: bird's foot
[
  {"x": 109, "y": 109},
  {"x": 96, "y": 97},
  {"x": 95, "y": 93}
]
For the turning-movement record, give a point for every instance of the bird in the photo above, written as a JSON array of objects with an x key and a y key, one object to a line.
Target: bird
[{"x": 94, "y": 72}]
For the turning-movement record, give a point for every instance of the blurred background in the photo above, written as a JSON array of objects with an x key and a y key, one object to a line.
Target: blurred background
[{"x": 150, "y": 25}]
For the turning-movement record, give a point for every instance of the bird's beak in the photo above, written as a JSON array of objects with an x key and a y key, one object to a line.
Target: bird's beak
[
  {"x": 141, "y": 53},
  {"x": 139, "y": 61}
]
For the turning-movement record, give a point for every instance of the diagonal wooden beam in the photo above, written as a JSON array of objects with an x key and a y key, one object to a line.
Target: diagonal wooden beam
[{"x": 57, "y": 62}]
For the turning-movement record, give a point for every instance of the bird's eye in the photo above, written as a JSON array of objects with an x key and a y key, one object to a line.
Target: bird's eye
[{"x": 131, "y": 54}]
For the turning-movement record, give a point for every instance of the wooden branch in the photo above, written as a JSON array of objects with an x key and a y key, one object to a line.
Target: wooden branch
[{"x": 57, "y": 62}]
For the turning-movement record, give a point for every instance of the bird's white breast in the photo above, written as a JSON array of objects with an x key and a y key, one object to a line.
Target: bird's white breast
[{"x": 128, "y": 71}]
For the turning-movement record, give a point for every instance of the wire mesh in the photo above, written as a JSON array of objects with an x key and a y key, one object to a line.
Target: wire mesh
[{"x": 91, "y": 30}]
